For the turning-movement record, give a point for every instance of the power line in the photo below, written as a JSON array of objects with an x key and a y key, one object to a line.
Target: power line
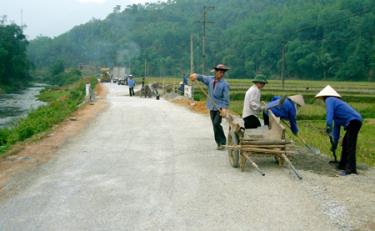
[{"x": 205, "y": 22}]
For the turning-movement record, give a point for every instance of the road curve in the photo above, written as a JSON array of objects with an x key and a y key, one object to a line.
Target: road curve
[{"x": 146, "y": 164}]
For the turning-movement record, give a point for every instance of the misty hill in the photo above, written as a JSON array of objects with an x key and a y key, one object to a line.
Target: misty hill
[{"x": 325, "y": 39}]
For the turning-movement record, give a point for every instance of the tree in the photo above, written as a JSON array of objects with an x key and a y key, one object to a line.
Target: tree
[{"x": 14, "y": 64}]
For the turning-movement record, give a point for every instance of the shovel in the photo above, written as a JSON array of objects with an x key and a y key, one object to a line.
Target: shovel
[
  {"x": 313, "y": 150},
  {"x": 333, "y": 152}
]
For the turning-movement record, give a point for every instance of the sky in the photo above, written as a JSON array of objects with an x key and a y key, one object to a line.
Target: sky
[{"x": 54, "y": 17}]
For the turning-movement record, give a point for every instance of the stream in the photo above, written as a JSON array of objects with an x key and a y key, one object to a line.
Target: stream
[{"x": 16, "y": 105}]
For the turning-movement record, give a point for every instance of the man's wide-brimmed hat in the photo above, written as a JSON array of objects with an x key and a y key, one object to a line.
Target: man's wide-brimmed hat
[
  {"x": 221, "y": 67},
  {"x": 327, "y": 91},
  {"x": 260, "y": 78},
  {"x": 298, "y": 99}
]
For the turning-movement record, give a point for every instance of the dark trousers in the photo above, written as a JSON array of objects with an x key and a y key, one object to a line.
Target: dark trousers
[
  {"x": 266, "y": 118},
  {"x": 218, "y": 129},
  {"x": 131, "y": 91},
  {"x": 349, "y": 146},
  {"x": 251, "y": 122}
]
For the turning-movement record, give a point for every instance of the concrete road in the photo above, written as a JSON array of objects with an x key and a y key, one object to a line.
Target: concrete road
[{"x": 145, "y": 164}]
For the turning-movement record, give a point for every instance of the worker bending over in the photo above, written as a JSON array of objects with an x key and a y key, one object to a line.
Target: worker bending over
[
  {"x": 286, "y": 110},
  {"x": 340, "y": 114}
]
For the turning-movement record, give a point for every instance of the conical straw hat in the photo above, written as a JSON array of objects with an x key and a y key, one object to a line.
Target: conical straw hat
[
  {"x": 327, "y": 91},
  {"x": 298, "y": 99}
]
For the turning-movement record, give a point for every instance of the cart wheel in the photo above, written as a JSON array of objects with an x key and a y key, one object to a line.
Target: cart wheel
[
  {"x": 277, "y": 160},
  {"x": 234, "y": 155}
]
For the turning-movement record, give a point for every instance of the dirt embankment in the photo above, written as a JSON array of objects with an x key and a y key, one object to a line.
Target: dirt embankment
[
  {"x": 41, "y": 148},
  {"x": 196, "y": 106}
]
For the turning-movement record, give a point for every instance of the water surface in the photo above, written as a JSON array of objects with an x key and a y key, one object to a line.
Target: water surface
[{"x": 16, "y": 105}]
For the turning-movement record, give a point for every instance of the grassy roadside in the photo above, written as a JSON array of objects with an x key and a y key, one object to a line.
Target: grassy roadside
[
  {"x": 313, "y": 133},
  {"x": 61, "y": 102}
]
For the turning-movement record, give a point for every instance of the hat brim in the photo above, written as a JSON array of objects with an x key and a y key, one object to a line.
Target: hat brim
[
  {"x": 259, "y": 81},
  {"x": 298, "y": 99},
  {"x": 326, "y": 92},
  {"x": 221, "y": 69}
]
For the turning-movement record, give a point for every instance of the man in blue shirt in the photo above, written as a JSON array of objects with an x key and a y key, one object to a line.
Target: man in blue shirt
[
  {"x": 218, "y": 101},
  {"x": 286, "y": 111},
  {"x": 339, "y": 113},
  {"x": 131, "y": 84}
]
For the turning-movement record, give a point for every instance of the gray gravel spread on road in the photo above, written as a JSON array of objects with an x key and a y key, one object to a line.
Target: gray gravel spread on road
[{"x": 147, "y": 164}]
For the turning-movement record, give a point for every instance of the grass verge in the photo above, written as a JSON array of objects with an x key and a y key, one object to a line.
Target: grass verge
[{"x": 62, "y": 101}]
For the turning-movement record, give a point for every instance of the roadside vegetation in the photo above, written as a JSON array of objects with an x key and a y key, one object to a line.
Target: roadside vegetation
[{"x": 62, "y": 101}]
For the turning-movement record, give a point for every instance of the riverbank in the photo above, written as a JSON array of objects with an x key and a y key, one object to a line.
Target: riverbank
[
  {"x": 19, "y": 103},
  {"x": 39, "y": 149},
  {"x": 62, "y": 101}
]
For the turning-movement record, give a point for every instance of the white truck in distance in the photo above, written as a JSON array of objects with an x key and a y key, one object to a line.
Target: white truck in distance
[{"x": 119, "y": 75}]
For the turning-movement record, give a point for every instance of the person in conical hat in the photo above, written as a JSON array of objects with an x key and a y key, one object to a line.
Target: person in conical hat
[
  {"x": 286, "y": 111},
  {"x": 341, "y": 114},
  {"x": 218, "y": 100},
  {"x": 252, "y": 106}
]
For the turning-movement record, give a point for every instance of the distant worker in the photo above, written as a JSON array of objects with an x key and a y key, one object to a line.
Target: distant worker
[
  {"x": 131, "y": 84},
  {"x": 286, "y": 111},
  {"x": 183, "y": 83},
  {"x": 218, "y": 101},
  {"x": 252, "y": 106},
  {"x": 180, "y": 89},
  {"x": 89, "y": 93},
  {"x": 339, "y": 113}
]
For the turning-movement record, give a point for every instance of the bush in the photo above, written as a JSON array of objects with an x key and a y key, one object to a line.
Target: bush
[{"x": 4, "y": 134}]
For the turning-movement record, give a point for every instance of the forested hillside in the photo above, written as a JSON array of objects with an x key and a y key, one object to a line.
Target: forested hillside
[
  {"x": 310, "y": 39},
  {"x": 14, "y": 64}
]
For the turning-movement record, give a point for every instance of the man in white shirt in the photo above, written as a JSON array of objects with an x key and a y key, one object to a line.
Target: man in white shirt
[{"x": 252, "y": 106}]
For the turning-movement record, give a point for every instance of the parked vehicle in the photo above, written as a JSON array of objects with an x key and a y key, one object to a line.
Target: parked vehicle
[
  {"x": 119, "y": 74},
  {"x": 105, "y": 75}
]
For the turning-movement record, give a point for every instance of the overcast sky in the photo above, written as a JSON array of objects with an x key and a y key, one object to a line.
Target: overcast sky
[{"x": 54, "y": 17}]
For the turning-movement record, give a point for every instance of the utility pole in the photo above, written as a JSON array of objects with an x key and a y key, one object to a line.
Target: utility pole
[
  {"x": 191, "y": 54},
  {"x": 22, "y": 25},
  {"x": 283, "y": 65},
  {"x": 205, "y": 22},
  {"x": 145, "y": 68},
  {"x": 21, "y": 19}
]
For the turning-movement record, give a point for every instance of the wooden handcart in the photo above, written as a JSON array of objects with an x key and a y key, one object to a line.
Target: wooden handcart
[{"x": 270, "y": 141}]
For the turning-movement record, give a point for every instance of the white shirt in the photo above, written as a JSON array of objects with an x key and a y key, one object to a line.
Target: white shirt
[{"x": 251, "y": 105}]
